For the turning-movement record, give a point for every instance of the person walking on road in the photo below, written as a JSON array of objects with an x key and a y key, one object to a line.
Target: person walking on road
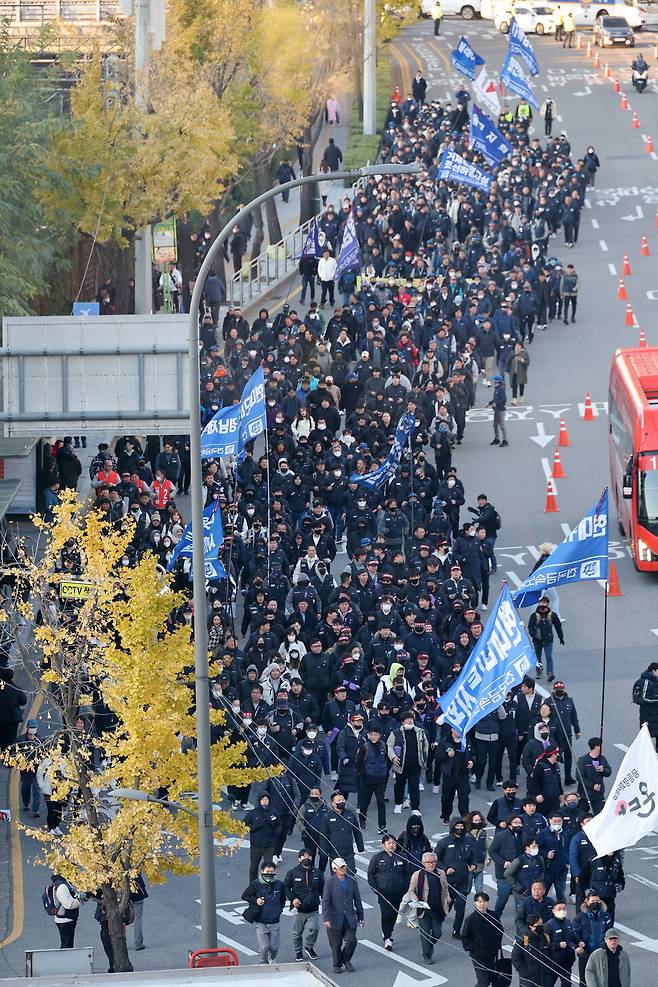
[
  {"x": 387, "y": 876},
  {"x": 499, "y": 405},
  {"x": 517, "y": 367},
  {"x": 569, "y": 284},
  {"x": 609, "y": 966},
  {"x": 68, "y": 910},
  {"x": 429, "y": 885},
  {"x": 541, "y": 627},
  {"x": 266, "y": 899},
  {"x": 558, "y": 20},
  {"x": 592, "y": 165},
  {"x": 407, "y": 749},
  {"x": 333, "y": 156},
  {"x": 285, "y": 173},
  {"x": 304, "y": 886},
  {"x": 645, "y": 695},
  {"x": 548, "y": 108},
  {"x": 419, "y": 87},
  {"x": 592, "y": 768},
  {"x": 482, "y": 935},
  {"x": 455, "y": 855},
  {"x": 326, "y": 275},
  {"x": 263, "y": 825},
  {"x": 137, "y": 897},
  {"x": 437, "y": 16},
  {"x": 342, "y": 911}
]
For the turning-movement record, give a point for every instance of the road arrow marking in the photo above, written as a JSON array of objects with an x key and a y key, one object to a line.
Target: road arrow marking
[
  {"x": 426, "y": 978},
  {"x": 586, "y": 92},
  {"x": 638, "y": 214},
  {"x": 541, "y": 438},
  {"x": 654, "y": 630}
]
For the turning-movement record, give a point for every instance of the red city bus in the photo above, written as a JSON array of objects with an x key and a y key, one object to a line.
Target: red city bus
[{"x": 633, "y": 446}]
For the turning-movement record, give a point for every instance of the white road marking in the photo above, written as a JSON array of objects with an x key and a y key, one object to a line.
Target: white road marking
[
  {"x": 541, "y": 438},
  {"x": 547, "y": 467},
  {"x": 588, "y": 204},
  {"x": 644, "y": 942},
  {"x": 514, "y": 579},
  {"x": 638, "y": 214},
  {"x": 613, "y": 270},
  {"x": 233, "y": 944},
  {"x": 427, "y": 978},
  {"x": 643, "y": 880},
  {"x": 654, "y": 630},
  {"x": 595, "y": 224},
  {"x": 604, "y": 246}
]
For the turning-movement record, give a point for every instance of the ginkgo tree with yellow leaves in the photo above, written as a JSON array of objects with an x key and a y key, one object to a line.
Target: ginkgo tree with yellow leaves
[{"x": 117, "y": 650}]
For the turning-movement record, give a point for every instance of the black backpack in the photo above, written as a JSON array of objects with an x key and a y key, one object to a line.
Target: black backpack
[{"x": 638, "y": 691}]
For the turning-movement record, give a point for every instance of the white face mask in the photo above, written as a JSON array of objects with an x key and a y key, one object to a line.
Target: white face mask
[
  {"x": 408, "y": 726},
  {"x": 451, "y": 483},
  {"x": 312, "y": 734},
  {"x": 262, "y": 731},
  {"x": 398, "y": 647},
  {"x": 247, "y": 721},
  {"x": 532, "y": 853},
  {"x": 556, "y": 827},
  {"x": 561, "y": 914},
  {"x": 386, "y": 607}
]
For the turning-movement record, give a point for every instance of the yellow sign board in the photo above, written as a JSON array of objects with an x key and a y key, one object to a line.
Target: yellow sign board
[{"x": 74, "y": 589}]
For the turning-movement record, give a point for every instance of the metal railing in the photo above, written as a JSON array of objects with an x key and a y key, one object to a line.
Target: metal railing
[
  {"x": 40, "y": 13},
  {"x": 272, "y": 264}
]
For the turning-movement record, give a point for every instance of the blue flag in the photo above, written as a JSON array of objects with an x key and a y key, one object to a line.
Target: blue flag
[
  {"x": 350, "y": 258},
  {"x": 465, "y": 59},
  {"x": 500, "y": 659},
  {"x": 253, "y": 419},
  {"x": 512, "y": 76},
  {"x": 220, "y": 436},
  {"x": 583, "y": 555},
  {"x": 518, "y": 44},
  {"x": 487, "y": 138},
  {"x": 454, "y": 168},
  {"x": 213, "y": 537},
  {"x": 377, "y": 478},
  {"x": 311, "y": 246}
]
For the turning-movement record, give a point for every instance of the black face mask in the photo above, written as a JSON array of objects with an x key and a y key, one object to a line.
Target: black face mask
[
  {"x": 305, "y": 862},
  {"x": 415, "y": 830},
  {"x": 595, "y": 906},
  {"x": 459, "y": 833},
  {"x": 510, "y": 796},
  {"x": 516, "y": 829}
]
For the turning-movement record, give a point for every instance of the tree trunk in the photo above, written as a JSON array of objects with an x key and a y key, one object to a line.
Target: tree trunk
[
  {"x": 263, "y": 183},
  {"x": 309, "y": 195},
  {"x": 117, "y": 931},
  {"x": 258, "y": 234}
]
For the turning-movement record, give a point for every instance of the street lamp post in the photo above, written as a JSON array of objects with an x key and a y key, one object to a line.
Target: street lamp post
[{"x": 205, "y": 803}]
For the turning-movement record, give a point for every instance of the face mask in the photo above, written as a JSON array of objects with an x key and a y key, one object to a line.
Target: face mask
[
  {"x": 312, "y": 734},
  {"x": 305, "y": 861},
  {"x": 261, "y": 731},
  {"x": 516, "y": 829},
  {"x": 556, "y": 827},
  {"x": 559, "y": 692},
  {"x": 268, "y": 878},
  {"x": 595, "y": 906},
  {"x": 415, "y": 830},
  {"x": 572, "y": 805},
  {"x": 560, "y": 914},
  {"x": 247, "y": 721},
  {"x": 399, "y": 646},
  {"x": 236, "y": 707},
  {"x": 539, "y": 928},
  {"x": 451, "y": 483},
  {"x": 510, "y": 796},
  {"x": 321, "y": 427},
  {"x": 408, "y": 726},
  {"x": 459, "y": 833},
  {"x": 532, "y": 853},
  {"x": 339, "y": 806},
  {"x": 315, "y": 799},
  {"x": 361, "y": 504}
]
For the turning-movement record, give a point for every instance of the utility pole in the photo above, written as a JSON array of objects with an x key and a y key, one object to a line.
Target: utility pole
[
  {"x": 369, "y": 68},
  {"x": 149, "y": 34}
]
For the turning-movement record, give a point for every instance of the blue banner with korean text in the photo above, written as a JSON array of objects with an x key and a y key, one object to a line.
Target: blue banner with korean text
[
  {"x": 213, "y": 537},
  {"x": 485, "y": 137},
  {"x": 220, "y": 436},
  {"x": 512, "y": 76},
  {"x": 455, "y": 168},
  {"x": 498, "y": 663},
  {"x": 465, "y": 59},
  {"x": 518, "y": 44},
  {"x": 349, "y": 258},
  {"x": 253, "y": 420},
  {"x": 377, "y": 478},
  {"x": 583, "y": 555}
]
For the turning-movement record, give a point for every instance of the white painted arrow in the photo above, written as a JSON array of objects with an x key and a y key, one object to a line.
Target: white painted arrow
[
  {"x": 541, "y": 438},
  {"x": 654, "y": 630},
  {"x": 425, "y": 979},
  {"x": 587, "y": 91},
  {"x": 638, "y": 214}
]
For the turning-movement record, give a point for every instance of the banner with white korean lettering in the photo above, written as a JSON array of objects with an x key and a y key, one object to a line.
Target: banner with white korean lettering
[
  {"x": 377, "y": 478},
  {"x": 500, "y": 659},
  {"x": 220, "y": 436},
  {"x": 213, "y": 537},
  {"x": 454, "y": 168},
  {"x": 631, "y": 809},
  {"x": 465, "y": 59},
  {"x": 518, "y": 44},
  {"x": 486, "y": 137},
  {"x": 582, "y": 556},
  {"x": 513, "y": 77},
  {"x": 253, "y": 419}
]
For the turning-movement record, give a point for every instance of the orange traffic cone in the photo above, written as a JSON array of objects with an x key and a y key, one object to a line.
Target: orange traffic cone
[
  {"x": 588, "y": 53},
  {"x": 645, "y": 247},
  {"x": 643, "y": 340},
  {"x": 558, "y": 470},
  {"x": 606, "y": 71},
  {"x": 615, "y": 85},
  {"x": 627, "y": 266},
  {"x": 613, "y": 582},
  {"x": 624, "y": 102},
  {"x": 621, "y": 291},
  {"x": 588, "y": 411},
  {"x": 649, "y": 145},
  {"x": 579, "y": 42},
  {"x": 551, "y": 499},
  {"x": 635, "y": 122},
  {"x": 630, "y": 318},
  {"x": 597, "y": 60},
  {"x": 563, "y": 439}
]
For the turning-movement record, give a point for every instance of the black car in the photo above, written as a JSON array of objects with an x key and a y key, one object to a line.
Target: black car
[{"x": 610, "y": 31}]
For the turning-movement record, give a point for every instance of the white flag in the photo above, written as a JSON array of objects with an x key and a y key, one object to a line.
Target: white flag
[
  {"x": 631, "y": 809},
  {"x": 484, "y": 91}
]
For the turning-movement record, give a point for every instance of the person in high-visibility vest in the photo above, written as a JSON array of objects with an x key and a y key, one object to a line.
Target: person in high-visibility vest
[
  {"x": 568, "y": 30},
  {"x": 524, "y": 114},
  {"x": 558, "y": 18},
  {"x": 437, "y": 14}
]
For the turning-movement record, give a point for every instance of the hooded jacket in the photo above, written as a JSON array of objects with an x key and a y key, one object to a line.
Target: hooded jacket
[
  {"x": 411, "y": 845},
  {"x": 591, "y": 926},
  {"x": 455, "y": 852}
]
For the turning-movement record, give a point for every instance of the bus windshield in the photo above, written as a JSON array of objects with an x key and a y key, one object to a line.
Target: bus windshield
[{"x": 647, "y": 506}]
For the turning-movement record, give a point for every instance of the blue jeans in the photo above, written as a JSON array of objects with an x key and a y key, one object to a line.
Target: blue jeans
[
  {"x": 310, "y": 284},
  {"x": 338, "y": 517},
  {"x": 548, "y": 652},
  {"x": 504, "y": 889},
  {"x": 477, "y": 881},
  {"x": 29, "y": 788}
]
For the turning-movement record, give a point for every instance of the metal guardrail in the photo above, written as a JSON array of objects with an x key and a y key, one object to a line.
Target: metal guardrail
[
  {"x": 272, "y": 264},
  {"x": 33, "y": 13}
]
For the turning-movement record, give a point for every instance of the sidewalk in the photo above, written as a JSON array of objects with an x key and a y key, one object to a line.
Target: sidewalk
[{"x": 289, "y": 211}]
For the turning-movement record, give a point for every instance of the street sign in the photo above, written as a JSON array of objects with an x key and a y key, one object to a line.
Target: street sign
[{"x": 74, "y": 589}]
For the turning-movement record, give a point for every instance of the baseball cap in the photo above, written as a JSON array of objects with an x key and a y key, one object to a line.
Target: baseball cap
[
  {"x": 338, "y": 862},
  {"x": 613, "y": 934}
]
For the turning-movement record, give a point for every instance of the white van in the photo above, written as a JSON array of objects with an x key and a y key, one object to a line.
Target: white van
[
  {"x": 586, "y": 14},
  {"x": 468, "y": 9}
]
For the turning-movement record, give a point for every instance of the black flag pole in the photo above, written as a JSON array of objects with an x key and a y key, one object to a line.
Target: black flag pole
[{"x": 605, "y": 656}]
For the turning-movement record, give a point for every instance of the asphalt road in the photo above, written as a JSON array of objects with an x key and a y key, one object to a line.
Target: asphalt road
[{"x": 566, "y": 362}]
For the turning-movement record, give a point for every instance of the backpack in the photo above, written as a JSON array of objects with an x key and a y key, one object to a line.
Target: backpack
[
  {"x": 50, "y": 903},
  {"x": 638, "y": 691}
]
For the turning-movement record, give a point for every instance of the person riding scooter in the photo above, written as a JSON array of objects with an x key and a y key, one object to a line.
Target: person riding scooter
[{"x": 640, "y": 73}]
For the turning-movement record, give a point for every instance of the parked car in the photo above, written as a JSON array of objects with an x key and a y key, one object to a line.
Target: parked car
[
  {"x": 531, "y": 19},
  {"x": 468, "y": 9},
  {"x": 610, "y": 31}
]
